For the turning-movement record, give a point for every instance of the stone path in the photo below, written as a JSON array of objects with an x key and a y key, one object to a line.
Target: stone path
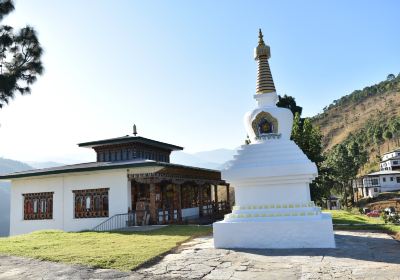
[{"x": 360, "y": 255}]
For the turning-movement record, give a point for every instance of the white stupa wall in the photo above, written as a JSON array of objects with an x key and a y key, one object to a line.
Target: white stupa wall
[
  {"x": 271, "y": 177},
  {"x": 285, "y": 194}
]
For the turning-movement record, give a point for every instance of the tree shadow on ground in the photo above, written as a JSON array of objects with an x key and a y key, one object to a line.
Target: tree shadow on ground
[{"x": 366, "y": 248}]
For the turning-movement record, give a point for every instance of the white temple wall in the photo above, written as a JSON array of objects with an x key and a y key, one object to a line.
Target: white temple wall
[
  {"x": 115, "y": 180},
  {"x": 21, "y": 186},
  {"x": 63, "y": 203}
]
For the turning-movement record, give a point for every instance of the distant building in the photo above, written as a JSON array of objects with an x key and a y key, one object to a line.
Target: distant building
[
  {"x": 333, "y": 203},
  {"x": 132, "y": 182},
  {"x": 385, "y": 180},
  {"x": 390, "y": 160}
]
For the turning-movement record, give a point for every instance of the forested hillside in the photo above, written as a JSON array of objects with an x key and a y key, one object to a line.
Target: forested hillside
[{"x": 369, "y": 117}]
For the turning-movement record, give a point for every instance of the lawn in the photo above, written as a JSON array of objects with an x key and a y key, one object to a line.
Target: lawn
[
  {"x": 357, "y": 221},
  {"x": 118, "y": 250},
  {"x": 349, "y": 217}
]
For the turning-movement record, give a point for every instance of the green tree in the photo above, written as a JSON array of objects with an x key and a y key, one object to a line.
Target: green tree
[
  {"x": 290, "y": 103},
  {"x": 344, "y": 162},
  {"x": 395, "y": 128},
  {"x": 312, "y": 141},
  {"x": 20, "y": 57},
  {"x": 309, "y": 139},
  {"x": 340, "y": 164},
  {"x": 378, "y": 138},
  {"x": 388, "y": 135},
  {"x": 390, "y": 77},
  {"x": 297, "y": 129}
]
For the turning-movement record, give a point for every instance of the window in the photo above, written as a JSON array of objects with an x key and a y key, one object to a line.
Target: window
[
  {"x": 91, "y": 203},
  {"x": 395, "y": 162},
  {"x": 384, "y": 179},
  {"x": 375, "y": 189},
  {"x": 391, "y": 179},
  {"x": 38, "y": 206},
  {"x": 398, "y": 179},
  {"x": 374, "y": 181}
]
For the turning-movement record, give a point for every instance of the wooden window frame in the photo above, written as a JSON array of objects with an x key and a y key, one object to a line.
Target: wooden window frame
[
  {"x": 100, "y": 195},
  {"x": 42, "y": 198}
]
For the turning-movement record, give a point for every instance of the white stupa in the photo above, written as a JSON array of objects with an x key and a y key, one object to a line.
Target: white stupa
[{"x": 271, "y": 177}]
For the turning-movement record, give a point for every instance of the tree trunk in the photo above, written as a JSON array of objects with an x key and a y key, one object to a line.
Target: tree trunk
[{"x": 351, "y": 193}]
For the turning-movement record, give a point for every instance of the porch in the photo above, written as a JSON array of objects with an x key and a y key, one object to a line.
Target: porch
[{"x": 178, "y": 195}]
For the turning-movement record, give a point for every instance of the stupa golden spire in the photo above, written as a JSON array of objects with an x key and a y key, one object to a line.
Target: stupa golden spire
[{"x": 262, "y": 53}]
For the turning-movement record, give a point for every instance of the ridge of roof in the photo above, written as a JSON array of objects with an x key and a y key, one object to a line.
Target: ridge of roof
[
  {"x": 129, "y": 139},
  {"x": 93, "y": 166}
]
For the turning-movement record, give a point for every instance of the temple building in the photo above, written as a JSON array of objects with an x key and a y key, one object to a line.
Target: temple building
[
  {"x": 131, "y": 183},
  {"x": 271, "y": 177}
]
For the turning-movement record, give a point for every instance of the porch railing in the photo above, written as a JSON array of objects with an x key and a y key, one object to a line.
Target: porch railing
[
  {"x": 164, "y": 216},
  {"x": 116, "y": 222}
]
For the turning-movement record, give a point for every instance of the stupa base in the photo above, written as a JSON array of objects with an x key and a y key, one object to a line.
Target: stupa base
[{"x": 278, "y": 233}]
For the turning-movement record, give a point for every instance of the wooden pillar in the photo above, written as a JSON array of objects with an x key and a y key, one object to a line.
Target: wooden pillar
[
  {"x": 133, "y": 195},
  {"x": 201, "y": 201},
  {"x": 153, "y": 209},
  {"x": 178, "y": 202},
  {"x": 228, "y": 199},
  {"x": 163, "y": 201},
  {"x": 216, "y": 198}
]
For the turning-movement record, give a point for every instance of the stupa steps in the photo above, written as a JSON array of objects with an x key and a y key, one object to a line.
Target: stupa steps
[
  {"x": 274, "y": 146},
  {"x": 279, "y": 210},
  {"x": 275, "y": 155},
  {"x": 253, "y": 163}
]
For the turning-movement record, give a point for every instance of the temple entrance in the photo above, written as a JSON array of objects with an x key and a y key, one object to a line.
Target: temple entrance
[{"x": 170, "y": 201}]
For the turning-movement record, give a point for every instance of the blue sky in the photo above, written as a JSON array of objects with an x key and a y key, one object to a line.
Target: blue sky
[{"x": 183, "y": 71}]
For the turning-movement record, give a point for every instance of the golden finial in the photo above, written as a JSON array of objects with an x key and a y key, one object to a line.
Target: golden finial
[
  {"x": 260, "y": 37},
  {"x": 262, "y": 53},
  {"x": 262, "y": 49}
]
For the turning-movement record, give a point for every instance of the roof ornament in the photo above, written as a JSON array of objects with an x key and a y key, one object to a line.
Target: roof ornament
[
  {"x": 265, "y": 83},
  {"x": 260, "y": 37},
  {"x": 134, "y": 130}
]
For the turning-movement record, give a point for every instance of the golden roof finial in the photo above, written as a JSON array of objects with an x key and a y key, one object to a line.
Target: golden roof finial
[
  {"x": 260, "y": 37},
  {"x": 262, "y": 53},
  {"x": 262, "y": 49}
]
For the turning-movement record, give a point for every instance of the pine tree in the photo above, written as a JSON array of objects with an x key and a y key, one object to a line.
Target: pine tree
[
  {"x": 309, "y": 140},
  {"x": 297, "y": 130},
  {"x": 387, "y": 135},
  {"x": 20, "y": 57}
]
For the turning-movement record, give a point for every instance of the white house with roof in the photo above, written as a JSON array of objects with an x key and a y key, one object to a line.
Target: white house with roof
[
  {"x": 132, "y": 182},
  {"x": 390, "y": 160},
  {"x": 385, "y": 180}
]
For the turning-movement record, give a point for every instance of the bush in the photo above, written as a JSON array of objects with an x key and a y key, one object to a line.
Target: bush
[{"x": 392, "y": 219}]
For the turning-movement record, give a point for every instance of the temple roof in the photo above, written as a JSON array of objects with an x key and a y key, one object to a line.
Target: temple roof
[
  {"x": 130, "y": 139},
  {"x": 392, "y": 151},
  {"x": 95, "y": 166},
  {"x": 384, "y": 172}
]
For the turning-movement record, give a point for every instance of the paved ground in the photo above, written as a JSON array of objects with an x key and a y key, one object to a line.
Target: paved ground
[{"x": 360, "y": 255}]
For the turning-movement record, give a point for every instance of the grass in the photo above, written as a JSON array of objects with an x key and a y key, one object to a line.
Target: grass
[
  {"x": 349, "y": 217},
  {"x": 117, "y": 250},
  {"x": 357, "y": 221}
]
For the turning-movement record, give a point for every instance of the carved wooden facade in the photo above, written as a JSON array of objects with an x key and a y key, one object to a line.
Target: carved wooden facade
[
  {"x": 91, "y": 203},
  {"x": 131, "y": 151},
  {"x": 38, "y": 206},
  {"x": 174, "y": 188}
]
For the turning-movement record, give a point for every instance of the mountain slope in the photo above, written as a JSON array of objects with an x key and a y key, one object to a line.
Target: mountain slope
[
  {"x": 214, "y": 159},
  {"x": 369, "y": 116},
  {"x": 7, "y": 166}
]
